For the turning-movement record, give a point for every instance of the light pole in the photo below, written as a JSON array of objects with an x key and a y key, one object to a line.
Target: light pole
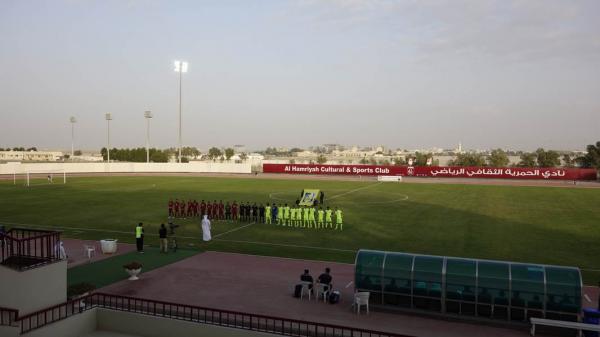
[
  {"x": 148, "y": 116},
  {"x": 108, "y": 117},
  {"x": 180, "y": 67},
  {"x": 73, "y": 120}
]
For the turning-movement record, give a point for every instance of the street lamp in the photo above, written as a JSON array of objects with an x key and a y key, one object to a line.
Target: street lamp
[
  {"x": 147, "y": 115},
  {"x": 180, "y": 67},
  {"x": 108, "y": 117},
  {"x": 73, "y": 120}
]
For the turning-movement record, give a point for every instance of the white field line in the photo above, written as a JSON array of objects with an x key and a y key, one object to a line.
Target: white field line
[
  {"x": 233, "y": 230},
  {"x": 287, "y": 245},
  {"x": 355, "y": 190},
  {"x": 108, "y": 230},
  {"x": 273, "y": 194},
  {"x": 180, "y": 237},
  {"x": 279, "y": 257}
]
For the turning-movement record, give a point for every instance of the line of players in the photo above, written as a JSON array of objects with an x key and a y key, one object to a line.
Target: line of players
[
  {"x": 304, "y": 216},
  {"x": 282, "y": 214}
]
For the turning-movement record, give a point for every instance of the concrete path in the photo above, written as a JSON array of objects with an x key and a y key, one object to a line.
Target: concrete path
[
  {"x": 76, "y": 255},
  {"x": 263, "y": 285}
]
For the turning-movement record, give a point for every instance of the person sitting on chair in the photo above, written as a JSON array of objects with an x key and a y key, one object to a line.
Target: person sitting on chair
[
  {"x": 326, "y": 279},
  {"x": 307, "y": 278}
]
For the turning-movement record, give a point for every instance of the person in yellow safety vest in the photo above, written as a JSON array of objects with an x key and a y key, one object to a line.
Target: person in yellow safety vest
[
  {"x": 305, "y": 217},
  {"x": 321, "y": 216},
  {"x": 311, "y": 218},
  {"x": 139, "y": 237},
  {"x": 286, "y": 215},
  {"x": 338, "y": 219},
  {"x": 268, "y": 214},
  {"x": 293, "y": 216},
  {"x": 328, "y": 218}
]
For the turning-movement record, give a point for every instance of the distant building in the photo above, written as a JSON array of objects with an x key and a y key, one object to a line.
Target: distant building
[{"x": 30, "y": 156}]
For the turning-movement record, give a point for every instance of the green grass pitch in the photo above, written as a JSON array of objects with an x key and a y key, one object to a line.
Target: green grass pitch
[{"x": 527, "y": 224}]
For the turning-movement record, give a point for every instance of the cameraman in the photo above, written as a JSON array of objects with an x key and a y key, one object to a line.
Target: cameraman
[{"x": 162, "y": 237}]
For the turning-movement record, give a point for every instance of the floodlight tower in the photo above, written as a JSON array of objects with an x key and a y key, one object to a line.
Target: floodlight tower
[
  {"x": 73, "y": 120},
  {"x": 180, "y": 67},
  {"x": 148, "y": 116},
  {"x": 108, "y": 117}
]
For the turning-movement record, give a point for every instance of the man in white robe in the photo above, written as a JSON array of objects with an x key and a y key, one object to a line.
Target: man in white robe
[{"x": 206, "y": 229}]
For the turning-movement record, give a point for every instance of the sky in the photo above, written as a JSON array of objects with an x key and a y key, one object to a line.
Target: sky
[{"x": 518, "y": 74}]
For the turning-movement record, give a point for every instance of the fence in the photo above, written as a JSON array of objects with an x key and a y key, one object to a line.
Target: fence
[
  {"x": 190, "y": 313},
  {"x": 22, "y": 248}
]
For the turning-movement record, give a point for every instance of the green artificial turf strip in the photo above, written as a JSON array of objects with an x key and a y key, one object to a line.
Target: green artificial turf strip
[
  {"x": 552, "y": 225},
  {"x": 110, "y": 270}
]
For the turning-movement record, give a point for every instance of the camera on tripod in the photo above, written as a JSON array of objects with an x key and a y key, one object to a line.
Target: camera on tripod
[{"x": 172, "y": 227}]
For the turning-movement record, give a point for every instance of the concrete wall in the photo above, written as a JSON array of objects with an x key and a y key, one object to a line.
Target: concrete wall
[
  {"x": 35, "y": 289},
  {"x": 197, "y": 167},
  {"x": 149, "y": 326},
  {"x": 74, "y": 326}
]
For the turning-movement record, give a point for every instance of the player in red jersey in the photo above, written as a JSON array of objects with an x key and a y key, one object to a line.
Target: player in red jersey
[
  {"x": 190, "y": 208},
  {"x": 195, "y": 208},
  {"x": 215, "y": 209},
  {"x": 234, "y": 210},
  {"x": 221, "y": 210},
  {"x": 182, "y": 208},
  {"x": 202, "y": 208},
  {"x": 170, "y": 207},
  {"x": 209, "y": 211},
  {"x": 176, "y": 208}
]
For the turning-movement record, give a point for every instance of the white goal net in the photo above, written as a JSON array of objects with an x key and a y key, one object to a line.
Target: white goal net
[
  {"x": 42, "y": 177},
  {"x": 389, "y": 178}
]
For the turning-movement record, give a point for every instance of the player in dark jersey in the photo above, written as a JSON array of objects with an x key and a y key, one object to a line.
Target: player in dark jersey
[
  {"x": 248, "y": 211},
  {"x": 242, "y": 211},
  {"x": 254, "y": 212},
  {"x": 261, "y": 213},
  {"x": 227, "y": 211}
]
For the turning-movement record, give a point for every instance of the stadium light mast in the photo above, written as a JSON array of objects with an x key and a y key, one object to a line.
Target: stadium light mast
[
  {"x": 108, "y": 117},
  {"x": 148, "y": 116},
  {"x": 73, "y": 120},
  {"x": 180, "y": 67}
]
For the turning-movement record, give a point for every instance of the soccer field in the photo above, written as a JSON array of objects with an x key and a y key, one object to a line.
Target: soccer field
[{"x": 527, "y": 224}]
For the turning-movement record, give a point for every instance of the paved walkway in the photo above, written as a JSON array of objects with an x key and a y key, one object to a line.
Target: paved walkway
[
  {"x": 263, "y": 285},
  {"x": 77, "y": 256}
]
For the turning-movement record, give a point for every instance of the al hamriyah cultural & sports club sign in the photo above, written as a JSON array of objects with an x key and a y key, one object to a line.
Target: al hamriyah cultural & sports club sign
[{"x": 435, "y": 171}]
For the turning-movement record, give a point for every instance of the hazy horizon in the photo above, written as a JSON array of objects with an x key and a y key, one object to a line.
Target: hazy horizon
[{"x": 517, "y": 74}]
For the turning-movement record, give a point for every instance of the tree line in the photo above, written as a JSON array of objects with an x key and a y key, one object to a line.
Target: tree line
[
  {"x": 29, "y": 149},
  {"x": 496, "y": 158},
  {"x": 137, "y": 155}
]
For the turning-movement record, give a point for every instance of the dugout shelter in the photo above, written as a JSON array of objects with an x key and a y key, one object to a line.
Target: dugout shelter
[{"x": 474, "y": 288}]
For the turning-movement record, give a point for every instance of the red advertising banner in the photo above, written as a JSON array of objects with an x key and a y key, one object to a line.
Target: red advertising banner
[{"x": 435, "y": 171}]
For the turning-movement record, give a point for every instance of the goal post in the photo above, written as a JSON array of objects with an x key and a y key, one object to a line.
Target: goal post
[
  {"x": 389, "y": 178},
  {"x": 42, "y": 177}
]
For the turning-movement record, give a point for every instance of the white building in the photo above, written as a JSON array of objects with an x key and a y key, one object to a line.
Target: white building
[{"x": 30, "y": 156}]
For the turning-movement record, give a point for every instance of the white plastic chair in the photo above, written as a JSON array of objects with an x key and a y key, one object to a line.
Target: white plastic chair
[
  {"x": 89, "y": 251},
  {"x": 320, "y": 288},
  {"x": 305, "y": 287},
  {"x": 361, "y": 299}
]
